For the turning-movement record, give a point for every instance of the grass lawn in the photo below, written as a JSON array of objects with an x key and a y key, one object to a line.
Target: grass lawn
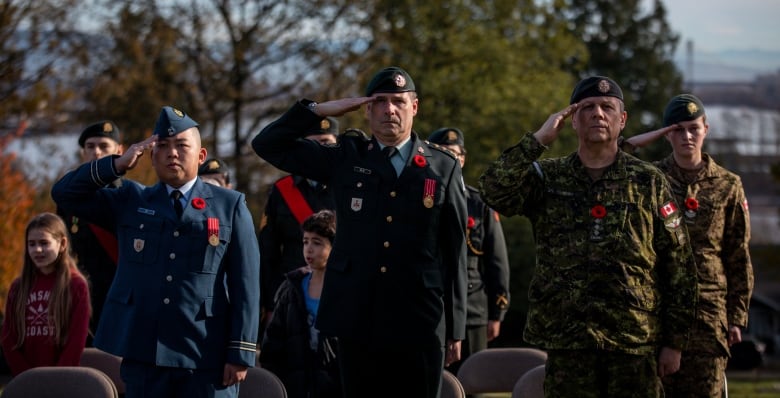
[{"x": 764, "y": 386}]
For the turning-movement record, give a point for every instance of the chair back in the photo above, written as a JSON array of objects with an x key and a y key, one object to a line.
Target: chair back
[
  {"x": 450, "y": 386},
  {"x": 261, "y": 383},
  {"x": 60, "y": 382},
  {"x": 106, "y": 363},
  {"x": 496, "y": 370},
  {"x": 531, "y": 384}
]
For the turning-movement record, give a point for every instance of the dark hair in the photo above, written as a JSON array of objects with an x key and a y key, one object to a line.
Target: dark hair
[{"x": 322, "y": 223}]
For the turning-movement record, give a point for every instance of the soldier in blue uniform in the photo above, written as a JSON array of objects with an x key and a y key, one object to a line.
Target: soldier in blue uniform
[
  {"x": 488, "y": 262},
  {"x": 183, "y": 309},
  {"x": 395, "y": 290}
]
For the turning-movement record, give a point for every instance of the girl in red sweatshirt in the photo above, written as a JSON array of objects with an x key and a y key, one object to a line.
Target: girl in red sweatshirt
[{"x": 47, "y": 311}]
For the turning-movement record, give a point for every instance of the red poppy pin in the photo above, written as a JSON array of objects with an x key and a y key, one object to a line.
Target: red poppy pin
[
  {"x": 470, "y": 223},
  {"x": 198, "y": 203},
  {"x": 420, "y": 160},
  {"x": 691, "y": 204},
  {"x": 598, "y": 211}
]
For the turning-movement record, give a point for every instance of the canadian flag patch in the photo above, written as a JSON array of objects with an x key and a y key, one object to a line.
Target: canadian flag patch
[{"x": 668, "y": 209}]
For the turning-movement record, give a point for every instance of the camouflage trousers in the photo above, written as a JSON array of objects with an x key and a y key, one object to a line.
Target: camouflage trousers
[
  {"x": 600, "y": 374},
  {"x": 700, "y": 375}
]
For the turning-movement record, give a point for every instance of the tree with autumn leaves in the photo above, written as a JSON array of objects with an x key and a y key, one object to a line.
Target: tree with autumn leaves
[{"x": 19, "y": 201}]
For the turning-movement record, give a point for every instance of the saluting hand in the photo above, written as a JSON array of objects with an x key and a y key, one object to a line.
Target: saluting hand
[
  {"x": 645, "y": 139},
  {"x": 554, "y": 124},
  {"x": 341, "y": 106},
  {"x": 129, "y": 159}
]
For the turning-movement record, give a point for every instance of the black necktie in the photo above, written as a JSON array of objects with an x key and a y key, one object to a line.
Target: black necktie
[
  {"x": 176, "y": 196},
  {"x": 389, "y": 151}
]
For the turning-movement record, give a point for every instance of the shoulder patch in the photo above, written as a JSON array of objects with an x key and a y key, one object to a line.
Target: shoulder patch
[{"x": 441, "y": 149}]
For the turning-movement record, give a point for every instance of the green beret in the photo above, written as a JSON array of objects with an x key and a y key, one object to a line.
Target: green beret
[
  {"x": 212, "y": 166},
  {"x": 595, "y": 86},
  {"x": 171, "y": 122},
  {"x": 682, "y": 108},
  {"x": 105, "y": 128},
  {"x": 447, "y": 136},
  {"x": 329, "y": 125},
  {"x": 390, "y": 80}
]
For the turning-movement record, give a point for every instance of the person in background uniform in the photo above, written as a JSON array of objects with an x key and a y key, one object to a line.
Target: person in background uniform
[
  {"x": 716, "y": 215},
  {"x": 95, "y": 248},
  {"x": 215, "y": 172},
  {"x": 613, "y": 294},
  {"x": 292, "y": 346},
  {"x": 488, "y": 263},
  {"x": 183, "y": 309},
  {"x": 292, "y": 198},
  {"x": 395, "y": 289}
]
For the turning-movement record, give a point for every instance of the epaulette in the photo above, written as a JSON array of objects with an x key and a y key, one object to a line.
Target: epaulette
[{"x": 441, "y": 148}]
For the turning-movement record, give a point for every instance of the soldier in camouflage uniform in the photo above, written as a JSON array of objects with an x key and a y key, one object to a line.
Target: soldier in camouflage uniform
[
  {"x": 614, "y": 290},
  {"x": 716, "y": 215},
  {"x": 488, "y": 262}
]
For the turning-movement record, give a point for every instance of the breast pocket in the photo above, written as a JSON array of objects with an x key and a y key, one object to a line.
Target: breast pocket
[
  {"x": 139, "y": 242},
  {"x": 208, "y": 251},
  {"x": 359, "y": 198}
]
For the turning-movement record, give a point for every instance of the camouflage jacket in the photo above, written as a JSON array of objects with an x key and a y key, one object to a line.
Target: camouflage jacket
[
  {"x": 614, "y": 268},
  {"x": 716, "y": 214}
]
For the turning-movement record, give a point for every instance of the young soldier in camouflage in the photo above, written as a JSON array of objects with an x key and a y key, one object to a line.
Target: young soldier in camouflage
[
  {"x": 613, "y": 294},
  {"x": 716, "y": 215}
]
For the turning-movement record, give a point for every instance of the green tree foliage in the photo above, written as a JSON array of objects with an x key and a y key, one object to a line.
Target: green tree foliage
[
  {"x": 495, "y": 69},
  {"x": 631, "y": 42}
]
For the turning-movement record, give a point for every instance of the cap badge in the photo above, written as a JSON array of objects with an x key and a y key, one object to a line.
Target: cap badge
[
  {"x": 107, "y": 127},
  {"x": 452, "y": 136},
  {"x": 325, "y": 124},
  {"x": 692, "y": 108},
  {"x": 604, "y": 86},
  {"x": 399, "y": 80},
  {"x": 178, "y": 112},
  {"x": 213, "y": 165}
]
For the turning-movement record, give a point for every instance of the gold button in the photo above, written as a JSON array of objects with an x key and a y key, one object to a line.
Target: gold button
[
  {"x": 172, "y": 256},
  {"x": 389, "y": 218},
  {"x": 383, "y": 269},
  {"x": 166, "y": 300},
  {"x": 169, "y": 278},
  {"x": 175, "y": 234},
  {"x": 141, "y": 226},
  {"x": 359, "y": 184},
  {"x": 392, "y": 194},
  {"x": 386, "y": 244}
]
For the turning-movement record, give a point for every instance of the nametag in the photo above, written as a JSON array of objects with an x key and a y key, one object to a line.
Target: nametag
[
  {"x": 361, "y": 170},
  {"x": 146, "y": 211}
]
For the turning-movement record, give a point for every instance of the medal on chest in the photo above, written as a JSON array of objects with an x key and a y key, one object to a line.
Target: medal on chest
[
  {"x": 597, "y": 213},
  {"x": 213, "y": 230},
  {"x": 428, "y": 192}
]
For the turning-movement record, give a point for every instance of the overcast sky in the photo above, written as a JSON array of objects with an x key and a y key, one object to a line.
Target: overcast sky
[{"x": 716, "y": 25}]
